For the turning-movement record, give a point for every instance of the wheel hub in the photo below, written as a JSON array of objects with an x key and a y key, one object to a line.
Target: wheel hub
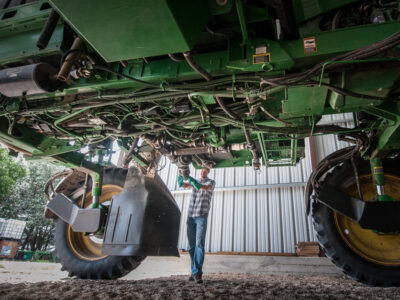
[{"x": 88, "y": 247}]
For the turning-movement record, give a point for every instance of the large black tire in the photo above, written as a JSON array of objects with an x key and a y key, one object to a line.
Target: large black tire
[
  {"x": 80, "y": 255},
  {"x": 354, "y": 250}
]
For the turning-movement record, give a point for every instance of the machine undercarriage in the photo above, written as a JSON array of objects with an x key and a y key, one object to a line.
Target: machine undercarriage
[{"x": 217, "y": 83}]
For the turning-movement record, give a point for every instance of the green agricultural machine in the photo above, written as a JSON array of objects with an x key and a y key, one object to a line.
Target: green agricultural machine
[{"x": 212, "y": 83}]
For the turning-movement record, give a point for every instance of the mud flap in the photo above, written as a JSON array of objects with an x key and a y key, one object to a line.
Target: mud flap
[{"x": 143, "y": 219}]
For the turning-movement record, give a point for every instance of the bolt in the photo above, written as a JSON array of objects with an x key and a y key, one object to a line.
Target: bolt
[{"x": 222, "y": 2}]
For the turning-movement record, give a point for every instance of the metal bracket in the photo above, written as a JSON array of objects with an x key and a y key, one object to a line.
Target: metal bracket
[
  {"x": 81, "y": 220},
  {"x": 377, "y": 215}
]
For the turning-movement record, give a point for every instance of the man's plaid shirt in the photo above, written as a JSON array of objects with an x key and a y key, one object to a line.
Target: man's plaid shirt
[{"x": 200, "y": 200}]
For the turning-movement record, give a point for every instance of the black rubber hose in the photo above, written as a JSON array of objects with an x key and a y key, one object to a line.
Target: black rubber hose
[
  {"x": 189, "y": 58},
  {"x": 48, "y": 30},
  {"x": 356, "y": 54},
  {"x": 207, "y": 76},
  {"x": 97, "y": 67},
  {"x": 176, "y": 58},
  {"x": 226, "y": 109},
  {"x": 345, "y": 92},
  {"x": 327, "y": 163}
]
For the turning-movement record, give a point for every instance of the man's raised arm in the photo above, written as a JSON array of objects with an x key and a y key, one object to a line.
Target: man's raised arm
[{"x": 186, "y": 185}]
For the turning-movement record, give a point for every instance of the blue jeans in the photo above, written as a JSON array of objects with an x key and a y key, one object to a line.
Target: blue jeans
[{"x": 196, "y": 233}]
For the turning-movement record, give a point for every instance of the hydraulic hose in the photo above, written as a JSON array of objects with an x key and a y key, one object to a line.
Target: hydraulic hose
[
  {"x": 207, "y": 76},
  {"x": 97, "y": 67},
  {"x": 175, "y": 58},
  {"x": 226, "y": 109},
  {"x": 327, "y": 163},
  {"x": 48, "y": 30},
  {"x": 357, "y": 54},
  {"x": 192, "y": 63}
]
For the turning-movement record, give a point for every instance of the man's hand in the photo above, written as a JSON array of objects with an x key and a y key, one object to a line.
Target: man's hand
[
  {"x": 186, "y": 185},
  {"x": 206, "y": 187},
  {"x": 180, "y": 180},
  {"x": 195, "y": 183},
  {"x": 183, "y": 184}
]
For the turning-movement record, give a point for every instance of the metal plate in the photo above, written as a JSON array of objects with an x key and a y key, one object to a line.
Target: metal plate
[{"x": 123, "y": 30}]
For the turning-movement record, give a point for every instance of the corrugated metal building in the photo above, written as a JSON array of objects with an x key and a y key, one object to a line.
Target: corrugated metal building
[{"x": 257, "y": 211}]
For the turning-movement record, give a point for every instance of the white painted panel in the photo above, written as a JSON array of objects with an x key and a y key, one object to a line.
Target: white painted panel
[
  {"x": 251, "y": 221},
  {"x": 287, "y": 220},
  {"x": 274, "y": 218},
  {"x": 239, "y": 230},
  {"x": 300, "y": 222},
  {"x": 272, "y": 176},
  {"x": 227, "y": 221},
  {"x": 215, "y": 222},
  {"x": 262, "y": 221}
]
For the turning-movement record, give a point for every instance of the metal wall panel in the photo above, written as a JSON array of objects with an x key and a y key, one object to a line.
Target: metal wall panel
[{"x": 258, "y": 219}]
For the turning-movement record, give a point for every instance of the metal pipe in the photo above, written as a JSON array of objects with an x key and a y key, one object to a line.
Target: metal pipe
[
  {"x": 360, "y": 195},
  {"x": 199, "y": 150},
  {"x": 48, "y": 30},
  {"x": 28, "y": 80},
  {"x": 312, "y": 153},
  {"x": 249, "y": 187},
  {"x": 242, "y": 21},
  {"x": 252, "y": 147},
  {"x": 85, "y": 188},
  {"x": 193, "y": 151},
  {"x": 65, "y": 118},
  {"x": 70, "y": 59}
]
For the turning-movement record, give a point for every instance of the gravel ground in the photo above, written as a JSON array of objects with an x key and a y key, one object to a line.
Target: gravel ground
[{"x": 215, "y": 286}]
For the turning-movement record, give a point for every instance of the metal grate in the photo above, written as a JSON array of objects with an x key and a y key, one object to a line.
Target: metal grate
[{"x": 11, "y": 229}]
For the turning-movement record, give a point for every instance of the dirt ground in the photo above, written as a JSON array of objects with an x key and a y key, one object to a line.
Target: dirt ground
[{"x": 215, "y": 286}]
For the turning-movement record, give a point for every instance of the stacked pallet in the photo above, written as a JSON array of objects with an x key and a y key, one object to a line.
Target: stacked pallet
[{"x": 309, "y": 249}]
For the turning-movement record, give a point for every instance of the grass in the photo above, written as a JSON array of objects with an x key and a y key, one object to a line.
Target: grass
[{"x": 1, "y": 267}]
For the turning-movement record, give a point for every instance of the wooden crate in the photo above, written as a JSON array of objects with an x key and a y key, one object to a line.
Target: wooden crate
[{"x": 311, "y": 249}]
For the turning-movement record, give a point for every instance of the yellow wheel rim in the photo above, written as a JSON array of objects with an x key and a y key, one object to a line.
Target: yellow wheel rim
[
  {"x": 89, "y": 247},
  {"x": 378, "y": 248}
]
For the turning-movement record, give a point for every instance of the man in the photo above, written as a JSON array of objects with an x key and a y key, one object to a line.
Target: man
[{"x": 199, "y": 207}]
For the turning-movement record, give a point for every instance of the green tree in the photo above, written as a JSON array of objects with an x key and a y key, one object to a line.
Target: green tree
[
  {"x": 29, "y": 201},
  {"x": 11, "y": 171}
]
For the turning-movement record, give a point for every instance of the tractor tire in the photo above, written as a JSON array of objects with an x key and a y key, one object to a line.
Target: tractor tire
[
  {"x": 364, "y": 255},
  {"x": 80, "y": 254}
]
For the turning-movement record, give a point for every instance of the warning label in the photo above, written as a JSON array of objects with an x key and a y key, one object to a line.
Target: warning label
[
  {"x": 378, "y": 170},
  {"x": 310, "y": 45},
  {"x": 261, "y": 50},
  {"x": 261, "y": 58}
]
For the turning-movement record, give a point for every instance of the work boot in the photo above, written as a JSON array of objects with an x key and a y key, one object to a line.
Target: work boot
[
  {"x": 198, "y": 278},
  {"x": 191, "y": 278}
]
